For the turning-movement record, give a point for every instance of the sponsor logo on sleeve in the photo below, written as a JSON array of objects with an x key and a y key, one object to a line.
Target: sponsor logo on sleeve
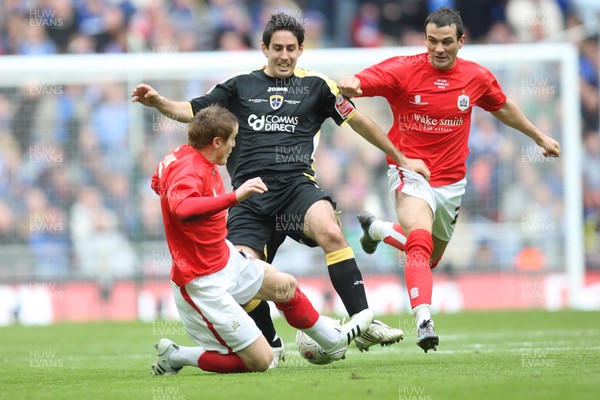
[{"x": 344, "y": 106}]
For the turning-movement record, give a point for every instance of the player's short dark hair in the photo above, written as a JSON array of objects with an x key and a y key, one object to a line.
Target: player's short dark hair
[
  {"x": 209, "y": 123},
  {"x": 283, "y": 22},
  {"x": 445, "y": 16}
]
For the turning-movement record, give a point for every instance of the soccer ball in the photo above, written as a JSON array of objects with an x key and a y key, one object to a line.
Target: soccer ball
[{"x": 310, "y": 350}]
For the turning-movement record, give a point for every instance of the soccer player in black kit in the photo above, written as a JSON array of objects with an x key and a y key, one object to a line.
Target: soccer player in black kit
[{"x": 280, "y": 109}]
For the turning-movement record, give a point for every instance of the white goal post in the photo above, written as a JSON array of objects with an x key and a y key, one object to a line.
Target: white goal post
[{"x": 37, "y": 72}]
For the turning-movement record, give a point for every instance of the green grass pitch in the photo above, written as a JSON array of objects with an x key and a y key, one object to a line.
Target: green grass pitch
[{"x": 484, "y": 355}]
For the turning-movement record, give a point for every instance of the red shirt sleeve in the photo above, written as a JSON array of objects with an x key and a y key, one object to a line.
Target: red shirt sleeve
[
  {"x": 383, "y": 79},
  {"x": 494, "y": 98},
  {"x": 186, "y": 200},
  {"x": 203, "y": 206}
]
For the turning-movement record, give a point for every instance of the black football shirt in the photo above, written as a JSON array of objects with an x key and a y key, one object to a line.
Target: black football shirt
[{"x": 280, "y": 120}]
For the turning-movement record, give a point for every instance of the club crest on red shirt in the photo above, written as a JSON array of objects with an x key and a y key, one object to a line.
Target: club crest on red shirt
[{"x": 463, "y": 102}]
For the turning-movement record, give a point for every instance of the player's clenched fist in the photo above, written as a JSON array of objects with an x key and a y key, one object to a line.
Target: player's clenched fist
[
  {"x": 551, "y": 147},
  {"x": 350, "y": 86},
  {"x": 418, "y": 166},
  {"x": 250, "y": 187}
]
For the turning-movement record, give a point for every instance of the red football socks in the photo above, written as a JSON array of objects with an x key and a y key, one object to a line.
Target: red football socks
[
  {"x": 214, "y": 361},
  {"x": 299, "y": 311},
  {"x": 417, "y": 271}
]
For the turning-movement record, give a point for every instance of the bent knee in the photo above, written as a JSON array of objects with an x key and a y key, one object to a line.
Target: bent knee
[
  {"x": 331, "y": 238},
  {"x": 261, "y": 362}
]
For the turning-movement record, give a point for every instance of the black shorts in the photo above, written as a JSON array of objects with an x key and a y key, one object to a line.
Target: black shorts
[{"x": 269, "y": 217}]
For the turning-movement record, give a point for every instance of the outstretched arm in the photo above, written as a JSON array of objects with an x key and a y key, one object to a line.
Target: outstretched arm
[
  {"x": 178, "y": 110},
  {"x": 510, "y": 114},
  {"x": 367, "y": 128}
]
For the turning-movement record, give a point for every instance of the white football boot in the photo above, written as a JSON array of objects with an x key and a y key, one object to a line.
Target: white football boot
[
  {"x": 349, "y": 332},
  {"x": 278, "y": 356},
  {"x": 164, "y": 348},
  {"x": 378, "y": 333}
]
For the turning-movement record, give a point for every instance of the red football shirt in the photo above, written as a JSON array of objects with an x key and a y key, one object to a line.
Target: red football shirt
[
  {"x": 432, "y": 109},
  {"x": 197, "y": 246}
]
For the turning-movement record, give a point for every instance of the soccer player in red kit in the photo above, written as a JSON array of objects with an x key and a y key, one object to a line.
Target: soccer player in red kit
[
  {"x": 281, "y": 109},
  {"x": 431, "y": 96},
  {"x": 210, "y": 278}
]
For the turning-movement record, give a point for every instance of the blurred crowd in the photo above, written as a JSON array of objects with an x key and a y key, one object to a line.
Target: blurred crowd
[{"x": 74, "y": 191}]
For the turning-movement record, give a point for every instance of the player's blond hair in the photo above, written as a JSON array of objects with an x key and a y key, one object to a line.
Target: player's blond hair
[{"x": 209, "y": 123}]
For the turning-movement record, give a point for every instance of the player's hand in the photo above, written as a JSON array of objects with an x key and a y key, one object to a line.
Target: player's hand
[
  {"x": 250, "y": 187},
  {"x": 551, "y": 147},
  {"x": 146, "y": 95},
  {"x": 417, "y": 165},
  {"x": 350, "y": 86}
]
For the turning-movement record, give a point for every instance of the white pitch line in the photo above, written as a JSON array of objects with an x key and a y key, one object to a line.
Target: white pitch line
[
  {"x": 542, "y": 333},
  {"x": 400, "y": 350}
]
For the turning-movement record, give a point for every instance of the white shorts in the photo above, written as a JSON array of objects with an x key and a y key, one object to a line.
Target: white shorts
[
  {"x": 444, "y": 201},
  {"x": 209, "y": 306}
]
